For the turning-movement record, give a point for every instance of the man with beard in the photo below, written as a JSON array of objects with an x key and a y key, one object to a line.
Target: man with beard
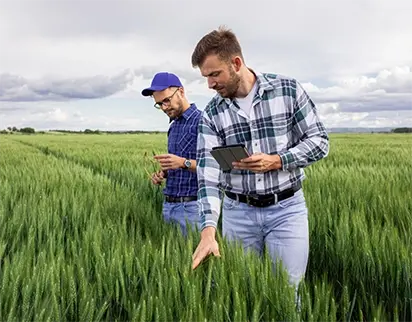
[
  {"x": 178, "y": 166},
  {"x": 273, "y": 116}
]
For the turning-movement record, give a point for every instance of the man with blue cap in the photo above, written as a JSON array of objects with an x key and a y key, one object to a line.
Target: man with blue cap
[{"x": 179, "y": 164}]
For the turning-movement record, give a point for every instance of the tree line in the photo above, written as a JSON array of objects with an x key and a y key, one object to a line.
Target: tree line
[
  {"x": 30, "y": 130},
  {"x": 402, "y": 130}
]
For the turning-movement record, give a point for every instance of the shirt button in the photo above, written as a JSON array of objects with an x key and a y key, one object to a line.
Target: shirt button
[{"x": 259, "y": 180}]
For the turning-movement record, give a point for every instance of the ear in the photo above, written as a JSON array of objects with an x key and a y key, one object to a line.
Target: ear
[
  {"x": 237, "y": 63},
  {"x": 180, "y": 94}
]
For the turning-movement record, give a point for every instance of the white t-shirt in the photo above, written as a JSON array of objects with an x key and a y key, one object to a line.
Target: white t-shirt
[{"x": 245, "y": 103}]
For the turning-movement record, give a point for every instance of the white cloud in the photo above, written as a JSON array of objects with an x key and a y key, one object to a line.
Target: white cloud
[
  {"x": 389, "y": 90},
  {"x": 18, "y": 89},
  {"x": 353, "y": 57}
]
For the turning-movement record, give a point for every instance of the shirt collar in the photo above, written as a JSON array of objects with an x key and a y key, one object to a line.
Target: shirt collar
[
  {"x": 189, "y": 112},
  {"x": 262, "y": 86},
  {"x": 186, "y": 114}
]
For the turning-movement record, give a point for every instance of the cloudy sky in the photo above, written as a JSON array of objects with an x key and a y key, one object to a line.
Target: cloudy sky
[{"x": 72, "y": 64}]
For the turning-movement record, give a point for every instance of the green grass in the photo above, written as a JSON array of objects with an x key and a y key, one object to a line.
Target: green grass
[{"x": 82, "y": 238}]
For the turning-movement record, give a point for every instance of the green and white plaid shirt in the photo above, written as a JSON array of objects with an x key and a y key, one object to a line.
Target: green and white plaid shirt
[{"x": 283, "y": 120}]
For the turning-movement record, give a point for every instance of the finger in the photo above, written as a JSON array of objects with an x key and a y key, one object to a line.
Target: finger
[
  {"x": 203, "y": 252},
  {"x": 199, "y": 248},
  {"x": 196, "y": 252},
  {"x": 166, "y": 166},
  {"x": 165, "y": 162},
  {"x": 246, "y": 166},
  {"x": 162, "y": 156},
  {"x": 216, "y": 252},
  {"x": 252, "y": 158},
  {"x": 196, "y": 262},
  {"x": 256, "y": 168}
]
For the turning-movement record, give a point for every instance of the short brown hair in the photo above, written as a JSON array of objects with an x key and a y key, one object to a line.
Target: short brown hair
[{"x": 221, "y": 42}]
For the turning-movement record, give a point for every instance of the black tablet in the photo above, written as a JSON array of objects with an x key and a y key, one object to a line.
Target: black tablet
[{"x": 227, "y": 154}]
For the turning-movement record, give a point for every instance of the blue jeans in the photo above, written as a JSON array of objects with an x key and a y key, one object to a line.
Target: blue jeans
[
  {"x": 282, "y": 228},
  {"x": 179, "y": 212}
]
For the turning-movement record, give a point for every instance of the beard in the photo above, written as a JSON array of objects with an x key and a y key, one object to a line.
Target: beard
[
  {"x": 231, "y": 88},
  {"x": 176, "y": 111}
]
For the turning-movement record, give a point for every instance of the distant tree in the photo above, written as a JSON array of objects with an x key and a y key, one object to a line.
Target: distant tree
[
  {"x": 402, "y": 130},
  {"x": 14, "y": 129},
  {"x": 29, "y": 130},
  {"x": 88, "y": 131},
  {"x": 9, "y": 128}
]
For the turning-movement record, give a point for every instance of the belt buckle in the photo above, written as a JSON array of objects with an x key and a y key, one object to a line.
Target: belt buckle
[{"x": 254, "y": 202}]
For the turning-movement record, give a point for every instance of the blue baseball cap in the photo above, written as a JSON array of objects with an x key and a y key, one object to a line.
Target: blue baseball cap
[{"x": 162, "y": 81}]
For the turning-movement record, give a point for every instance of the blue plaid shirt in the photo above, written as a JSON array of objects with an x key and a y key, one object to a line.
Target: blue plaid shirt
[{"x": 182, "y": 138}]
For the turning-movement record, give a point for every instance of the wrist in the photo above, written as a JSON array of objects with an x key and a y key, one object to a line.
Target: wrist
[
  {"x": 276, "y": 162},
  {"x": 182, "y": 163},
  {"x": 187, "y": 164},
  {"x": 208, "y": 233}
]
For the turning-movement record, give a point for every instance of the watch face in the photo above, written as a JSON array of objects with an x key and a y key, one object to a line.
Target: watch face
[{"x": 187, "y": 163}]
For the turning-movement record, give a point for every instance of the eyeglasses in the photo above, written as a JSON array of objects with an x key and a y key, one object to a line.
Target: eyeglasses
[{"x": 165, "y": 101}]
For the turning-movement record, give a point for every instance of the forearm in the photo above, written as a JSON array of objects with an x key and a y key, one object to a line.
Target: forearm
[{"x": 307, "y": 152}]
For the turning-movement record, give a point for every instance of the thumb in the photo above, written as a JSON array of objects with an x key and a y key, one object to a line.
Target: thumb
[{"x": 216, "y": 251}]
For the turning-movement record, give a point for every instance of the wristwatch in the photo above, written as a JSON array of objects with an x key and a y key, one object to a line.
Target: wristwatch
[{"x": 187, "y": 164}]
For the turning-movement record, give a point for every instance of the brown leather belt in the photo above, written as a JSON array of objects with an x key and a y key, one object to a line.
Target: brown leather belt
[
  {"x": 265, "y": 200},
  {"x": 180, "y": 199}
]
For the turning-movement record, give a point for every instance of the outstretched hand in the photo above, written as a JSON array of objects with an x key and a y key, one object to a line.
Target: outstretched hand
[{"x": 207, "y": 245}]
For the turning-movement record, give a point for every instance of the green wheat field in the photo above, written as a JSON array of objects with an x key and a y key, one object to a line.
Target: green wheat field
[{"x": 82, "y": 238}]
